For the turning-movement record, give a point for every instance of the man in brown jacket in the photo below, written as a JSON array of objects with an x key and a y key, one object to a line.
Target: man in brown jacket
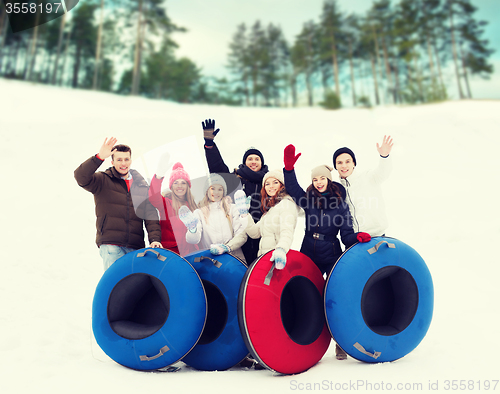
[{"x": 121, "y": 203}]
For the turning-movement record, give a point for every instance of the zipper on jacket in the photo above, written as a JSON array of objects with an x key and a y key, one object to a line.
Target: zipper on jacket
[
  {"x": 129, "y": 197},
  {"x": 315, "y": 241},
  {"x": 353, "y": 207},
  {"x": 103, "y": 222}
]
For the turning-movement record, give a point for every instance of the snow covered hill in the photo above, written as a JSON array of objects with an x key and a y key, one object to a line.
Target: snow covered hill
[{"x": 441, "y": 198}]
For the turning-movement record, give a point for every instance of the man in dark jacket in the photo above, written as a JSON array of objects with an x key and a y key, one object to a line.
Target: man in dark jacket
[
  {"x": 121, "y": 203},
  {"x": 250, "y": 173}
]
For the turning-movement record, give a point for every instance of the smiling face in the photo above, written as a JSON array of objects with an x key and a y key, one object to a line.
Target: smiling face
[
  {"x": 320, "y": 183},
  {"x": 253, "y": 162},
  {"x": 344, "y": 165},
  {"x": 215, "y": 193},
  {"x": 272, "y": 186},
  {"x": 179, "y": 187},
  {"x": 121, "y": 162}
]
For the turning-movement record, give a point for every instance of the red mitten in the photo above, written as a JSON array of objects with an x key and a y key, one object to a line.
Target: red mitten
[
  {"x": 290, "y": 158},
  {"x": 363, "y": 237}
]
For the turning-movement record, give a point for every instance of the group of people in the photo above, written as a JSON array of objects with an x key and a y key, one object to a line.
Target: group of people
[{"x": 261, "y": 218}]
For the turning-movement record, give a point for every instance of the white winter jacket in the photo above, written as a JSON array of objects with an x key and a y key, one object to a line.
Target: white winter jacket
[
  {"x": 276, "y": 226},
  {"x": 365, "y": 199},
  {"x": 218, "y": 230}
]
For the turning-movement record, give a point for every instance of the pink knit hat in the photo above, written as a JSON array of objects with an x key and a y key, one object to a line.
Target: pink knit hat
[{"x": 178, "y": 172}]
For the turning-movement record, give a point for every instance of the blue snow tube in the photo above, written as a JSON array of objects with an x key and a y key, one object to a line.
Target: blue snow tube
[
  {"x": 149, "y": 309},
  {"x": 221, "y": 345},
  {"x": 379, "y": 300}
]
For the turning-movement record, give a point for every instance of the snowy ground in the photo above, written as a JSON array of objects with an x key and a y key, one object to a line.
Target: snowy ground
[{"x": 441, "y": 198}]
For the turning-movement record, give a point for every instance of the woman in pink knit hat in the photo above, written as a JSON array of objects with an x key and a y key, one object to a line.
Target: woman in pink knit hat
[{"x": 168, "y": 206}]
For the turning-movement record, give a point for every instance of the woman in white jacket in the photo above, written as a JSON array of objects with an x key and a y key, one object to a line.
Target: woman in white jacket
[
  {"x": 216, "y": 224},
  {"x": 277, "y": 224},
  {"x": 363, "y": 191}
]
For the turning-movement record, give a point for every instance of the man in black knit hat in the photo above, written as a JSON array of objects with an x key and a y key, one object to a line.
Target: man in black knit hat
[{"x": 363, "y": 191}]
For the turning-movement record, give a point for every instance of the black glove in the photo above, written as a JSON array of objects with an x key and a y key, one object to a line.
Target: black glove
[{"x": 208, "y": 131}]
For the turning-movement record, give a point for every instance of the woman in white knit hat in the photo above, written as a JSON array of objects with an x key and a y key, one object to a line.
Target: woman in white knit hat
[
  {"x": 216, "y": 224},
  {"x": 327, "y": 215},
  {"x": 277, "y": 224}
]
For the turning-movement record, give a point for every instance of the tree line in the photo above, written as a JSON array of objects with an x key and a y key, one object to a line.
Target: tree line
[
  {"x": 122, "y": 46},
  {"x": 394, "y": 53}
]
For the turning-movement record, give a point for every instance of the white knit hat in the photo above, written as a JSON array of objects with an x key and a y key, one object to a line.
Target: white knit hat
[
  {"x": 215, "y": 179},
  {"x": 278, "y": 174},
  {"x": 322, "y": 170}
]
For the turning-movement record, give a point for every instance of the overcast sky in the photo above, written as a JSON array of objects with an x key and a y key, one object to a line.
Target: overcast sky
[{"x": 212, "y": 23}]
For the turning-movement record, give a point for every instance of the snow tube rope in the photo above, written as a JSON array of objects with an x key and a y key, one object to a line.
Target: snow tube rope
[
  {"x": 162, "y": 351},
  {"x": 269, "y": 276},
  {"x": 216, "y": 263},
  {"x": 375, "y": 248},
  {"x": 158, "y": 255},
  {"x": 359, "y": 347}
]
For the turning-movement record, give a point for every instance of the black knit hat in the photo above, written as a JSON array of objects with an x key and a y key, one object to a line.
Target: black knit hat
[
  {"x": 339, "y": 151},
  {"x": 253, "y": 151}
]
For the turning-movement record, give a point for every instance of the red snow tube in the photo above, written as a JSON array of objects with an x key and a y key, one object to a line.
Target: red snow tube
[{"x": 281, "y": 313}]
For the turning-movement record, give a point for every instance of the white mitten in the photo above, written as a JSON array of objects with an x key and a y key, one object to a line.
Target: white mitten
[
  {"x": 218, "y": 249},
  {"x": 163, "y": 165},
  {"x": 242, "y": 202},
  {"x": 279, "y": 258},
  {"x": 188, "y": 218}
]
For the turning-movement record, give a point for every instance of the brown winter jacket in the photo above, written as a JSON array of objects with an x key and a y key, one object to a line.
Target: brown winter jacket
[{"x": 120, "y": 213}]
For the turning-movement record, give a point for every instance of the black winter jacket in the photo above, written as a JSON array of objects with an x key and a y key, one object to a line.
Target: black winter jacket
[
  {"x": 250, "y": 180},
  {"x": 323, "y": 248},
  {"x": 120, "y": 213}
]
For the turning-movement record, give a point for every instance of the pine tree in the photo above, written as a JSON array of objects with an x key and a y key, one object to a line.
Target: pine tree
[
  {"x": 406, "y": 29},
  {"x": 305, "y": 56},
  {"x": 332, "y": 35},
  {"x": 275, "y": 64},
  {"x": 3, "y": 33},
  {"x": 368, "y": 53},
  {"x": 33, "y": 49},
  {"x": 239, "y": 62},
  {"x": 352, "y": 36},
  {"x": 97, "y": 63},
  {"x": 257, "y": 57},
  {"x": 84, "y": 37},
  {"x": 58, "y": 48},
  {"x": 431, "y": 24},
  {"x": 157, "y": 80},
  {"x": 152, "y": 19},
  {"x": 473, "y": 50},
  {"x": 454, "y": 47}
]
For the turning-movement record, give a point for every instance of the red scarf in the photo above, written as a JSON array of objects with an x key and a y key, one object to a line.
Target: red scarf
[{"x": 129, "y": 182}]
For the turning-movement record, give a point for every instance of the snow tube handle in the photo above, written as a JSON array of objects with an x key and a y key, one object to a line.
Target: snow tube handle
[
  {"x": 267, "y": 279},
  {"x": 158, "y": 255},
  {"x": 377, "y": 246},
  {"x": 358, "y": 346},
  {"x": 162, "y": 351},
  {"x": 217, "y": 263}
]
